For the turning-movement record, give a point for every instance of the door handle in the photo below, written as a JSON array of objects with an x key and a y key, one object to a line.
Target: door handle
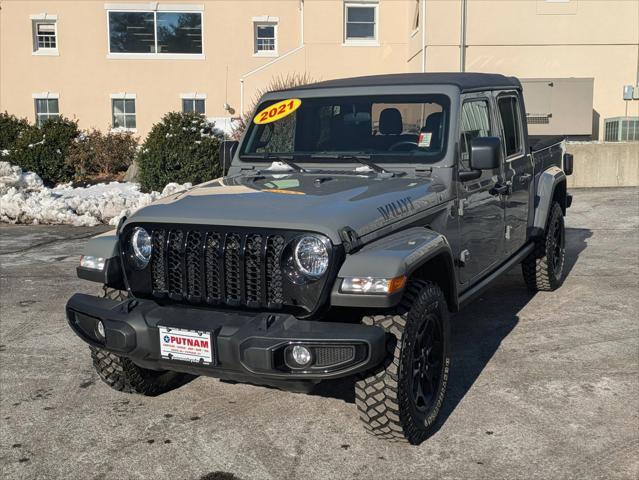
[
  {"x": 525, "y": 178},
  {"x": 500, "y": 189}
]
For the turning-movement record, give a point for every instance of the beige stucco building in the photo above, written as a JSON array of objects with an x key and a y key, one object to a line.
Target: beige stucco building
[{"x": 127, "y": 63}]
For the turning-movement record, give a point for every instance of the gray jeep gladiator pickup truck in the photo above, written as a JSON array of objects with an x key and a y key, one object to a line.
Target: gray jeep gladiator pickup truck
[{"x": 356, "y": 214}]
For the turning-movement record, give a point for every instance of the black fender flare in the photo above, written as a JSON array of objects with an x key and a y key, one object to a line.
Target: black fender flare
[
  {"x": 106, "y": 246},
  {"x": 401, "y": 253}
]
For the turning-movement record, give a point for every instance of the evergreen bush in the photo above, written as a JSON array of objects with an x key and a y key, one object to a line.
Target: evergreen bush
[
  {"x": 43, "y": 149},
  {"x": 182, "y": 147},
  {"x": 11, "y": 128}
]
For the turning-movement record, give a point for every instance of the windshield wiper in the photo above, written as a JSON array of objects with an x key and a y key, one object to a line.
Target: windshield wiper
[
  {"x": 366, "y": 160},
  {"x": 285, "y": 159},
  {"x": 362, "y": 158}
]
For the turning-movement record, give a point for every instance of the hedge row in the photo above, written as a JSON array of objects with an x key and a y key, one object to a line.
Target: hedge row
[{"x": 182, "y": 147}]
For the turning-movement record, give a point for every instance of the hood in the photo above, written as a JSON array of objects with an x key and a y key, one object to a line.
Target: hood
[{"x": 321, "y": 203}]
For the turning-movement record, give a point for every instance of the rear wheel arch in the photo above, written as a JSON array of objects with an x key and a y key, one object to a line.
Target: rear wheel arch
[
  {"x": 559, "y": 195},
  {"x": 551, "y": 187}
]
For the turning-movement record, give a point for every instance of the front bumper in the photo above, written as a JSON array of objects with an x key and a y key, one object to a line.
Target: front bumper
[{"x": 248, "y": 346}]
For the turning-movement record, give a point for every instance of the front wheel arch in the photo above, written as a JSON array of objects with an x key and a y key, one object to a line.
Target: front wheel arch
[{"x": 440, "y": 270}]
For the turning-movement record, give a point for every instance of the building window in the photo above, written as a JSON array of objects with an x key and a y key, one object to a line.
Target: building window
[
  {"x": 155, "y": 33},
  {"x": 123, "y": 111},
  {"x": 45, "y": 34},
  {"x": 265, "y": 38},
  {"x": 46, "y": 107},
  {"x": 196, "y": 105},
  {"x": 511, "y": 124},
  {"x": 360, "y": 22}
]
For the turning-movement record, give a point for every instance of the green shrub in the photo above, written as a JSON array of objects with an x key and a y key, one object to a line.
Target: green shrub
[
  {"x": 43, "y": 150},
  {"x": 11, "y": 127},
  {"x": 97, "y": 156},
  {"x": 182, "y": 147}
]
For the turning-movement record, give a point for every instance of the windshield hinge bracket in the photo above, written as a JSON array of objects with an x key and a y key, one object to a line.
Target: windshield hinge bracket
[
  {"x": 423, "y": 172},
  {"x": 350, "y": 239}
]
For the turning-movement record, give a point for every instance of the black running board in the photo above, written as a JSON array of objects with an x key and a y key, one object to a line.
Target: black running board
[{"x": 485, "y": 282}]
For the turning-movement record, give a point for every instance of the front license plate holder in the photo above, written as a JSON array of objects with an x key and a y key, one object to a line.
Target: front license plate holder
[{"x": 194, "y": 346}]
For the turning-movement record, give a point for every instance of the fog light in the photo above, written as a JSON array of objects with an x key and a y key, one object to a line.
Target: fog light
[
  {"x": 100, "y": 329},
  {"x": 301, "y": 355}
]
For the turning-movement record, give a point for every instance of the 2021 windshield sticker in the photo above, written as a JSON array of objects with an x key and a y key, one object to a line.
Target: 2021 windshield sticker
[{"x": 277, "y": 111}]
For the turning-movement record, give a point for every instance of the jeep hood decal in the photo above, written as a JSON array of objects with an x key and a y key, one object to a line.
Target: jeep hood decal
[{"x": 321, "y": 203}]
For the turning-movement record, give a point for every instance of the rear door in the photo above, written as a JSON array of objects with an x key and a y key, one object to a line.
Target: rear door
[
  {"x": 481, "y": 210},
  {"x": 518, "y": 169}
]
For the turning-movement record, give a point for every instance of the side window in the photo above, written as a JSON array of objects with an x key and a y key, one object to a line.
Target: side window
[
  {"x": 510, "y": 119},
  {"x": 475, "y": 123}
]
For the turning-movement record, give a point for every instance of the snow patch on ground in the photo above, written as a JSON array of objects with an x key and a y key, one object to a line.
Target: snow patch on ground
[{"x": 24, "y": 199}]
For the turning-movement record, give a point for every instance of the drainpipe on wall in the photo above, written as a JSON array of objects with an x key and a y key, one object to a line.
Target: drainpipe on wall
[
  {"x": 462, "y": 39},
  {"x": 282, "y": 57},
  {"x": 423, "y": 35}
]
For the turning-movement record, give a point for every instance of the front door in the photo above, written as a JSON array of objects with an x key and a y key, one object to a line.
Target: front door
[
  {"x": 481, "y": 210},
  {"x": 518, "y": 171}
]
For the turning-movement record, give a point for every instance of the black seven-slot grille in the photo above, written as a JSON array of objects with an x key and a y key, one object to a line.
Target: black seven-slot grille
[{"x": 214, "y": 267}]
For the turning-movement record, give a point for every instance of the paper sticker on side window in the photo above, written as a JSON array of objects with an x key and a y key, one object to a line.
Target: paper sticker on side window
[{"x": 277, "y": 111}]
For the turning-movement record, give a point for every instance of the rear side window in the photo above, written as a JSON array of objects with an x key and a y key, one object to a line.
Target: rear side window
[
  {"x": 510, "y": 119},
  {"x": 475, "y": 123}
]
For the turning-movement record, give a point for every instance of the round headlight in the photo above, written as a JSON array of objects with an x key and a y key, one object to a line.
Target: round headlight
[
  {"x": 311, "y": 256},
  {"x": 141, "y": 246}
]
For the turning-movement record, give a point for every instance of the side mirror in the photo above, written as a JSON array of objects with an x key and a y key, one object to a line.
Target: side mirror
[
  {"x": 485, "y": 153},
  {"x": 227, "y": 150},
  {"x": 568, "y": 163}
]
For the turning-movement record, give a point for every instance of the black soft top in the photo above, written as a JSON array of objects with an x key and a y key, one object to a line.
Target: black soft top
[{"x": 466, "y": 82}]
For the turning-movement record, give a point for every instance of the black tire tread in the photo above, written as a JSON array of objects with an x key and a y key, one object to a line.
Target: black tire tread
[
  {"x": 123, "y": 375},
  {"x": 536, "y": 268},
  {"x": 377, "y": 394}
]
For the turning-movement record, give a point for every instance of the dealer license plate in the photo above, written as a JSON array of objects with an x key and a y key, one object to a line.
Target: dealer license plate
[{"x": 186, "y": 345}]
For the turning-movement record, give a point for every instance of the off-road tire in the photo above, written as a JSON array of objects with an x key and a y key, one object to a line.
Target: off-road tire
[
  {"x": 543, "y": 269},
  {"x": 114, "y": 294},
  {"x": 383, "y": 396},
  {"x": 123, "y": 375}
]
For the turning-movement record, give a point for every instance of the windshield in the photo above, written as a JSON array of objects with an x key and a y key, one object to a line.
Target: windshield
[{"x": 401, "y": 128}]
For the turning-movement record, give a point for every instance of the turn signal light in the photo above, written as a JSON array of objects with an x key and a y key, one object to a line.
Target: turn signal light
[{"x": 372, "y": 285}]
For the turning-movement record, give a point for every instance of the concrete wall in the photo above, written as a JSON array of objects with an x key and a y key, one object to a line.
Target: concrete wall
[{"x": 604, "y": 165}]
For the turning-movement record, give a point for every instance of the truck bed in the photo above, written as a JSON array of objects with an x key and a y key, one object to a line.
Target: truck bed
[
  {"x": 539, "y": 142},
  {"x": 547, "y": 151}
]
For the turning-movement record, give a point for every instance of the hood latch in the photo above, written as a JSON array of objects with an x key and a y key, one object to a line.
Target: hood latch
[{"x": 350, "y": 239}]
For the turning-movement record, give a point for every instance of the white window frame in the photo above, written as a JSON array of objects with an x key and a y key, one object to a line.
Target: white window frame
[
  {"x": 355, "y": 42},
  {"x": 45, "y": 96},
  {"x": 49, "y": 19},
  {"x": 153, "y": 7},
  {"x": 193, "y": 97},
  {"x": 124, "y": 96},
  {"x": 266, "y": 21}
]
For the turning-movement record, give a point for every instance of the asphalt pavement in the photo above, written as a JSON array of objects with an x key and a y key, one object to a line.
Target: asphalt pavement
[{"x": 542, "y": 386}]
